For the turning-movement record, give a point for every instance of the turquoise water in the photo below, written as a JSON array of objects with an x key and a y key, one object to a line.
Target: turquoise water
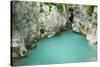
[{"x": 67, "y": 47}]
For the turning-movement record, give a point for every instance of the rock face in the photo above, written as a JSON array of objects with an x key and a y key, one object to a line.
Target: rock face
[
  {"x": 22, "y": 22},
  {"x": 31, "y": 21},
  {"x": 34, "y": 20},
  {"x": 85, "y": 22}
]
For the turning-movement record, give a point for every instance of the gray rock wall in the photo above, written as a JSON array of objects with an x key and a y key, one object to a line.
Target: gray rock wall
[
  {"x": 85, "y": 22},
  {"x": 34, "y": 20}
]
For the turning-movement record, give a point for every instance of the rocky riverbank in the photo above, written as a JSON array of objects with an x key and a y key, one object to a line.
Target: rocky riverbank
[
  {"x": 32, "y": 21},
  {"x": 85, "y": 22}
]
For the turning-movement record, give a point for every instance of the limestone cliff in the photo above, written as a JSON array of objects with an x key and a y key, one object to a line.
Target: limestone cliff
[
  {"x": 34, "y": 20},
  {"x": 85, "y": 22}
]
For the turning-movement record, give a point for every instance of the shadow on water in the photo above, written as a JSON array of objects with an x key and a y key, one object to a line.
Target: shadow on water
[{"x": 68, "y": 47}]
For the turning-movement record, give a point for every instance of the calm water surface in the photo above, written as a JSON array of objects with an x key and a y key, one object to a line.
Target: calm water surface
[{"x": 67, "y": 47}]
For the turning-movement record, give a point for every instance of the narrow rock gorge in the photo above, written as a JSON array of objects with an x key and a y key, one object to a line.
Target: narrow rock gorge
[{"x": 32, "y": 21}]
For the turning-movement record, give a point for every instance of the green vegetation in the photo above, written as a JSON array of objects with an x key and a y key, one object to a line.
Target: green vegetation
[
  {"x": 89, "y": 9},
  {"x": 58, "y": 5},
  {"x": 68, "y": 6}
]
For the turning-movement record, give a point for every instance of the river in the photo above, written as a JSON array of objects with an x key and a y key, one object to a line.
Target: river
[{"x": 67, "y": 47}]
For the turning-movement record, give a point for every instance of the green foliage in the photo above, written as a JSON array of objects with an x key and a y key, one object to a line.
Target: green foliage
[
  {"x": 50, "y": 6},
  {"x": 41, "y": 5},
  {"x": 68, "y": 6},
  {"x": 89, "y": 9},
  {"x": 60, "y": 7},
  {"x": 33, "y": 4}
]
